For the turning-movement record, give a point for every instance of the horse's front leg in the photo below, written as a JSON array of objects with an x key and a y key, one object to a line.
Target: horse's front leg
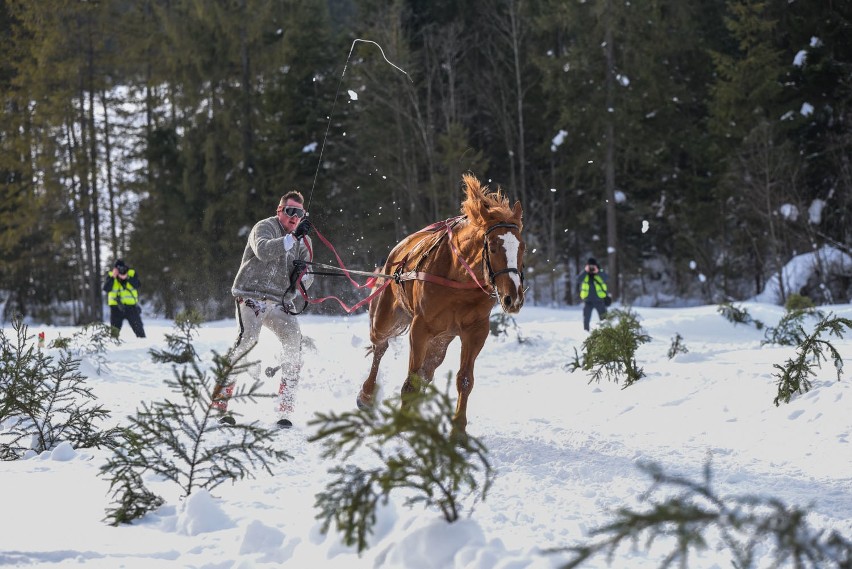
[{"x": 472, "y": 339}]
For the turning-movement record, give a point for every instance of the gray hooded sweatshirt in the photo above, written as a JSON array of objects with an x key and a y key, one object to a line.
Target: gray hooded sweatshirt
[{"x": 265, "y": 268}]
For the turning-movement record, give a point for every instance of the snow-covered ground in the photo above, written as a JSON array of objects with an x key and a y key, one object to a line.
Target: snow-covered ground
[{"x": 565, "y": 451}]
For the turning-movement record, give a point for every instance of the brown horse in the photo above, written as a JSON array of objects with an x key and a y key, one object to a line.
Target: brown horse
[{"x": 448, "y": 277}]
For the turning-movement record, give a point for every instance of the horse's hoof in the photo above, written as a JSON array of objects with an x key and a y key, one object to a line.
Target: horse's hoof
[
  {"x": 362, "y": 405},
  {"x": 458, "y": 437}
]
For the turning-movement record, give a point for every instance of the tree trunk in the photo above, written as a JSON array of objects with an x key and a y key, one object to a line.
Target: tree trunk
[
  {"x": 94, "y": 260},
  {"x": 515, "y": 27},
  {"x": 111, "y": 197},
  {"x": 609, "y": 166}
]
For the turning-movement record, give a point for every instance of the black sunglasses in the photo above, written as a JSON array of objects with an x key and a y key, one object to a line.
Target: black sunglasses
[{"x": 291, "y": 211}]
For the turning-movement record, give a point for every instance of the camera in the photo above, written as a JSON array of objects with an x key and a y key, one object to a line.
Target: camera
[{"x": 122, "y": 270}]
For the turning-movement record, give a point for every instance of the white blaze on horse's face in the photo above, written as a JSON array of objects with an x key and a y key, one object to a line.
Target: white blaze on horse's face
[
  {"x": 511, "y": 245},
  {"x": 513, "y": 300}
]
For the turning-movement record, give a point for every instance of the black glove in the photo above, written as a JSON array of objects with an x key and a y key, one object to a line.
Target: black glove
[
  {"x": 298, "y": 266},
  {"x": 303, "y": 228}
]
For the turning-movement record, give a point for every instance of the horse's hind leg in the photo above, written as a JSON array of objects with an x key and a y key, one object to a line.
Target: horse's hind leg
[
  {"x": 435, "y": 356},
  {"x": 386, "y": 321},
  {"x": 368, "y": 388},
  {"x": 425, "y": 355}
]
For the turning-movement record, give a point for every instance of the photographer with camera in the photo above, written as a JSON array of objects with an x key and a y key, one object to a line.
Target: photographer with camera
[
  {"x": 122, "y": 288},
  {"x": 593, "y": 292}
]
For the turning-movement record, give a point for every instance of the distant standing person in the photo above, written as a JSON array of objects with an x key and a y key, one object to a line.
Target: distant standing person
[
  {"x": 122, "y": 288},
  {"x": 275, "y": 255},
  {"x": 593, "y": 291}
]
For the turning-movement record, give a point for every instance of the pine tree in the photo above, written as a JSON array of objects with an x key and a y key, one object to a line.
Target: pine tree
[
  {"x": 412, "y": 446},
  {"x": 610, "y": 349},
  {"x": 818, "y": 102},
  {"x": 45, "y": 400},
  {"x": 180, "y": 349},
  {"x": 794, "y": 376},
  {"x": 62, "y": 67},
  {"x": 627, "y": 80},
  {"x": 677, "y": 347},
  {"x": 745, "y": 102},
  {"x": 736, "y": 314},
  {"x": 790, "y": 329},
  {"x": 181, "y": 440},
  {"x": 242, "y": 107},
  {"x": 698, "y": 518}
]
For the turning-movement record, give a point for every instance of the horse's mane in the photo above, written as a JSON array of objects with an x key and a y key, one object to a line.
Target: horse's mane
[{"x": 480, "y": 199}]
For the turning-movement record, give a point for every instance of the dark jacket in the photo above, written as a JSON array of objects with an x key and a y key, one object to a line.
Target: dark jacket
[{"x": 131, "y": 283}]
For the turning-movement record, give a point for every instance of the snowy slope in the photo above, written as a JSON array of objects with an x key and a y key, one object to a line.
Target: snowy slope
[{"x": 565, "y": 451}]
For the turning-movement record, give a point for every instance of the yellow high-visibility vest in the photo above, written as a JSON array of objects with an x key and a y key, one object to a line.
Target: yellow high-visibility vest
[
  {"x": 600, "y": 286},
  {"x": 127, "y": 294}
]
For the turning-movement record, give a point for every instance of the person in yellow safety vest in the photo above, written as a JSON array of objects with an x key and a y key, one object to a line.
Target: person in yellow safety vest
[
  {"x": 122, "y": 288},
  {"x": 593, "y": 292}
]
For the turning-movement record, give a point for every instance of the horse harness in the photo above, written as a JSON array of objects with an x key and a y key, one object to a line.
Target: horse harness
[
  {"x": 400, "y": 276},
  {"x": 445, "y": 228}
]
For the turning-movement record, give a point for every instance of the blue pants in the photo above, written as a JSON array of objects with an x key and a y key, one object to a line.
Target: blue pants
[
  {"x": 597, "y": 304},
  {"x": 131, "y": 313}
]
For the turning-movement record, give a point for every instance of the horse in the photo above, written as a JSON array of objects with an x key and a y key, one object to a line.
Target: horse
[{"x": 447, "y": 278}]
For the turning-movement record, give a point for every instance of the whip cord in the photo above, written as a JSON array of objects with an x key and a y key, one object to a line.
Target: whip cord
[{"x": 334, "y": 104}]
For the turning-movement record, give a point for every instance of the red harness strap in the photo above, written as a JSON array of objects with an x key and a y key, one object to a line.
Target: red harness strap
[
  {"x": 369, "y": 283},
  {"x": 464, "y": 263},
  {"x": 446, "y": 225}
]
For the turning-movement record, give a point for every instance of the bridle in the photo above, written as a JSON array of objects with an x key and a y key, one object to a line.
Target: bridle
[{"x": 487, "y": 256}]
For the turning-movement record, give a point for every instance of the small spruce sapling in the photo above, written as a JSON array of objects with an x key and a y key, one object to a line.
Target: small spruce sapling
[
  {"x": 693, "y": 514},
  {"x": 180, "y": 348},
  {"x": 45, "y": 400},
  {"x": 132, "y": 500},
  {"x": 738, "y": 315},
  {"x": 791, "y": 330},
  {"x": 500, "y": 323},
  {"x": 182, "y": 441},
  {"x": 677, "y": 347},
  {"x": 90, "y": 342},
  {"x": 798, "y": 302},
  {"x": 610, "y": 349},
  {"x": 794, "y": 375},
  {"x": 413, "y": 448}
]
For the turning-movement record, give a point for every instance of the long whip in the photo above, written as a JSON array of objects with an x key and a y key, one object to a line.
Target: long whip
[{"x": 334, "y": 104}]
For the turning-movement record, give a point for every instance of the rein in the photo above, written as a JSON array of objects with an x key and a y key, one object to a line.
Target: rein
[
  {"x": 346, "y": 272},
  {"x": 399, "y": 276}
]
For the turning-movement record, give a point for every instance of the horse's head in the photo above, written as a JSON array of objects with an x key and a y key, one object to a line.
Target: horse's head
[{"x": 503, "y": 247}]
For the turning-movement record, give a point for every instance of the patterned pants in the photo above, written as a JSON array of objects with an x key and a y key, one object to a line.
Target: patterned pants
[{"x": 253, "y": 315}]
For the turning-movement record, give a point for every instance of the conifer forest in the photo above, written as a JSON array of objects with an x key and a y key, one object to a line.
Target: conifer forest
[{"x": 694, "y": 147}]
